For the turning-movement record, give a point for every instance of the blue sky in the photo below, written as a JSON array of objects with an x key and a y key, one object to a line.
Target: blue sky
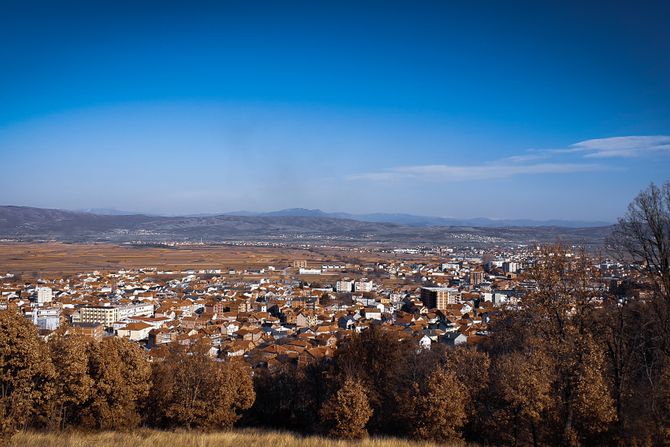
[{"x": 477, "y": 108}]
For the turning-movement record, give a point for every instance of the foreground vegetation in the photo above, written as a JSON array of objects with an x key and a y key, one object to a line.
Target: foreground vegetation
[{"x": 152, "y": 438}]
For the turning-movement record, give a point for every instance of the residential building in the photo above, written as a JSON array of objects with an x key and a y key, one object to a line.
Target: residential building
[
  {"x": 439, "y": 297},
  {"x": 44, "y": 295},
  {"x": 344, "y": 286}
]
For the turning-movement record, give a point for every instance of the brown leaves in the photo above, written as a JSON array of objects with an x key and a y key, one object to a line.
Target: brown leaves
[
  {"x": 121, "y": 376},
  {"x": 193, "y": 390},
  {"x": 73, "y": 386},
  {"x": 25, "y": 372},
  {"x": 347, "y": 412},
  {"x": 439, "y": 407}
]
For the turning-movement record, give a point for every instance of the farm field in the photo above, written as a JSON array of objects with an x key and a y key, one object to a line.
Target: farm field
[{"x": 53, "y": 259}]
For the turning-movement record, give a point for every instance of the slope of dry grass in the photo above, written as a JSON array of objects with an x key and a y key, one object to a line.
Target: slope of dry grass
[{"x": 151, "y": 438}]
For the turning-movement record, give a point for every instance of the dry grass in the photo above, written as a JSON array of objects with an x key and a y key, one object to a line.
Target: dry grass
[
  {"x": 239, "y": 438},
  {"x": 53, "y": 259}
]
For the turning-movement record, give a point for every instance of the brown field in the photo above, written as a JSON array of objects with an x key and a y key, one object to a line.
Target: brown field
[
  {"x": 52, "y": 259},
  {"x": 150, "y": 438},
  {"x": 57, "y": 258}
]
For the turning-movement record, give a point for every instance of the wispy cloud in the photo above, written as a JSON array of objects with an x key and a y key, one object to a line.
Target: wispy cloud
[
  {"x": 629, "y": 146},
  {"x": 481, "y": 172},
  {"x": 533, "y": 162}
]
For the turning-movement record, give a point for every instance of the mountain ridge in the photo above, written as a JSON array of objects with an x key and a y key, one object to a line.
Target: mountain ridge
[
  {"x": 396, "y": 218},
  {"x": 31, "y": 224}
]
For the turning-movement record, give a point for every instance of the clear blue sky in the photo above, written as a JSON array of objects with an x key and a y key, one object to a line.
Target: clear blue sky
[{"x": 537, "y": 109}]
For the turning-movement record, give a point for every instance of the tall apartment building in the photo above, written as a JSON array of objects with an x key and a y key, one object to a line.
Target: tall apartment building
[
  {"x": 105, "y": 315},
  {"x": 510, "y": 267},
  {"x": 44, "y": 295},
  {"x": 439, "y": 297},
  {"x": 476, "y": 277}
]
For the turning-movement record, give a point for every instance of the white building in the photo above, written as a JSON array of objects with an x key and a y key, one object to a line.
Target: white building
[
  {"x": 135, "y": 310},
  {"x": 107, "y": 315},
  {"x": 344, "y": 286},
  {"x": 44, "y": 295},
  {"x": 47, "y": 318},
  {"x": 135, "y": 331},
  {"x": 363, "y": 286}
]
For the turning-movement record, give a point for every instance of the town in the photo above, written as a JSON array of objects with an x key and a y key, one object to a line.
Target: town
[{"x": 292, "y": 313}]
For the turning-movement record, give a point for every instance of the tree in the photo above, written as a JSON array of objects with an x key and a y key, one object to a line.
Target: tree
[
  {"x": 521, "y": 393},
  {"x": 122, "y": 379},
  {"x": 593, "y": 404},
  {"x": 380, "y": 361},
  {"x": 73, "y": 386},
  {"x": 26, "y": 373},
  {"x": 289, "y": 397},
  {"x": 347, "y": 412},
  {"x": 439, "y": 407},
  {"x": 639, "y": 329},
  {"x": 562, "y": 308},
  {"x": 548, "y": 341},
  {"x": 325, "y": 299},
  {"x": 193, "y": 390},
  {"x": 644, "y": 234}
]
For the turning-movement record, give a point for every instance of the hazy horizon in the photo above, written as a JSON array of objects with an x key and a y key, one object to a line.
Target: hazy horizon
[
  {"x": 328, "y": 213},
  {"x": 553, "y": 111}
]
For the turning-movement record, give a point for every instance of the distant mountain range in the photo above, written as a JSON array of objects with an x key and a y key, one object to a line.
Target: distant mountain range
[
  {"x": 294, "y": 225},
  {"x": 394, "y": 218},
  {"x": 428, "y": 221}
]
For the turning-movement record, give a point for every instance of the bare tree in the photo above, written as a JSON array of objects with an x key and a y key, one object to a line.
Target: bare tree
[{"x": 644, "y": 234}]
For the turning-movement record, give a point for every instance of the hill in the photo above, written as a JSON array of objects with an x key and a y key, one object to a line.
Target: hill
[
  {"x": 427, "y": 221},
  {"x": 34, "y": 224}
]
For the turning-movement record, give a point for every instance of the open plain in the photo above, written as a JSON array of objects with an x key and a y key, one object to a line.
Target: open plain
[{"x": 52, "y": 259}]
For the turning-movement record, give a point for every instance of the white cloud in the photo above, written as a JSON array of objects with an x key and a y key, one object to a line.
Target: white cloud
[
  {"x": 629, "y": 146},
  {"x": 533, "y": 162}
]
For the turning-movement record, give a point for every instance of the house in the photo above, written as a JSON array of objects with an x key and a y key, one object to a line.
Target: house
[
  {"x": 135, "y": 331},
  {"x": 92, "y": 330},
  {"x": 304, "y": 319},
  {"x": 372, "y": 313},
  {"x": 454, "y": 338},
  {"x": 425, "y": 342}
]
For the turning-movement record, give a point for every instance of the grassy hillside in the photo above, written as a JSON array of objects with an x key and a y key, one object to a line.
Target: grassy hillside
[{"x": 150, "y": 438}]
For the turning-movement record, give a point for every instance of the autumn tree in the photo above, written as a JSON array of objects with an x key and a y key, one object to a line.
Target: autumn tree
[
  {"x": 520, "y": 394},
  {"x": 545, "y": 346},
  {"x": 73, "y": 386},
  {"x": 439, "y": 407},
  {"x": 193, "y": 390},
  {"x": 26, "y": 373},
  {"x": 121, "y": 381},
  {"x": 471, "y": 368},
  {"x": 562, "y": 309},
  {"x": 381, "y": 362},
  {"x": 347, "y": 412}
]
